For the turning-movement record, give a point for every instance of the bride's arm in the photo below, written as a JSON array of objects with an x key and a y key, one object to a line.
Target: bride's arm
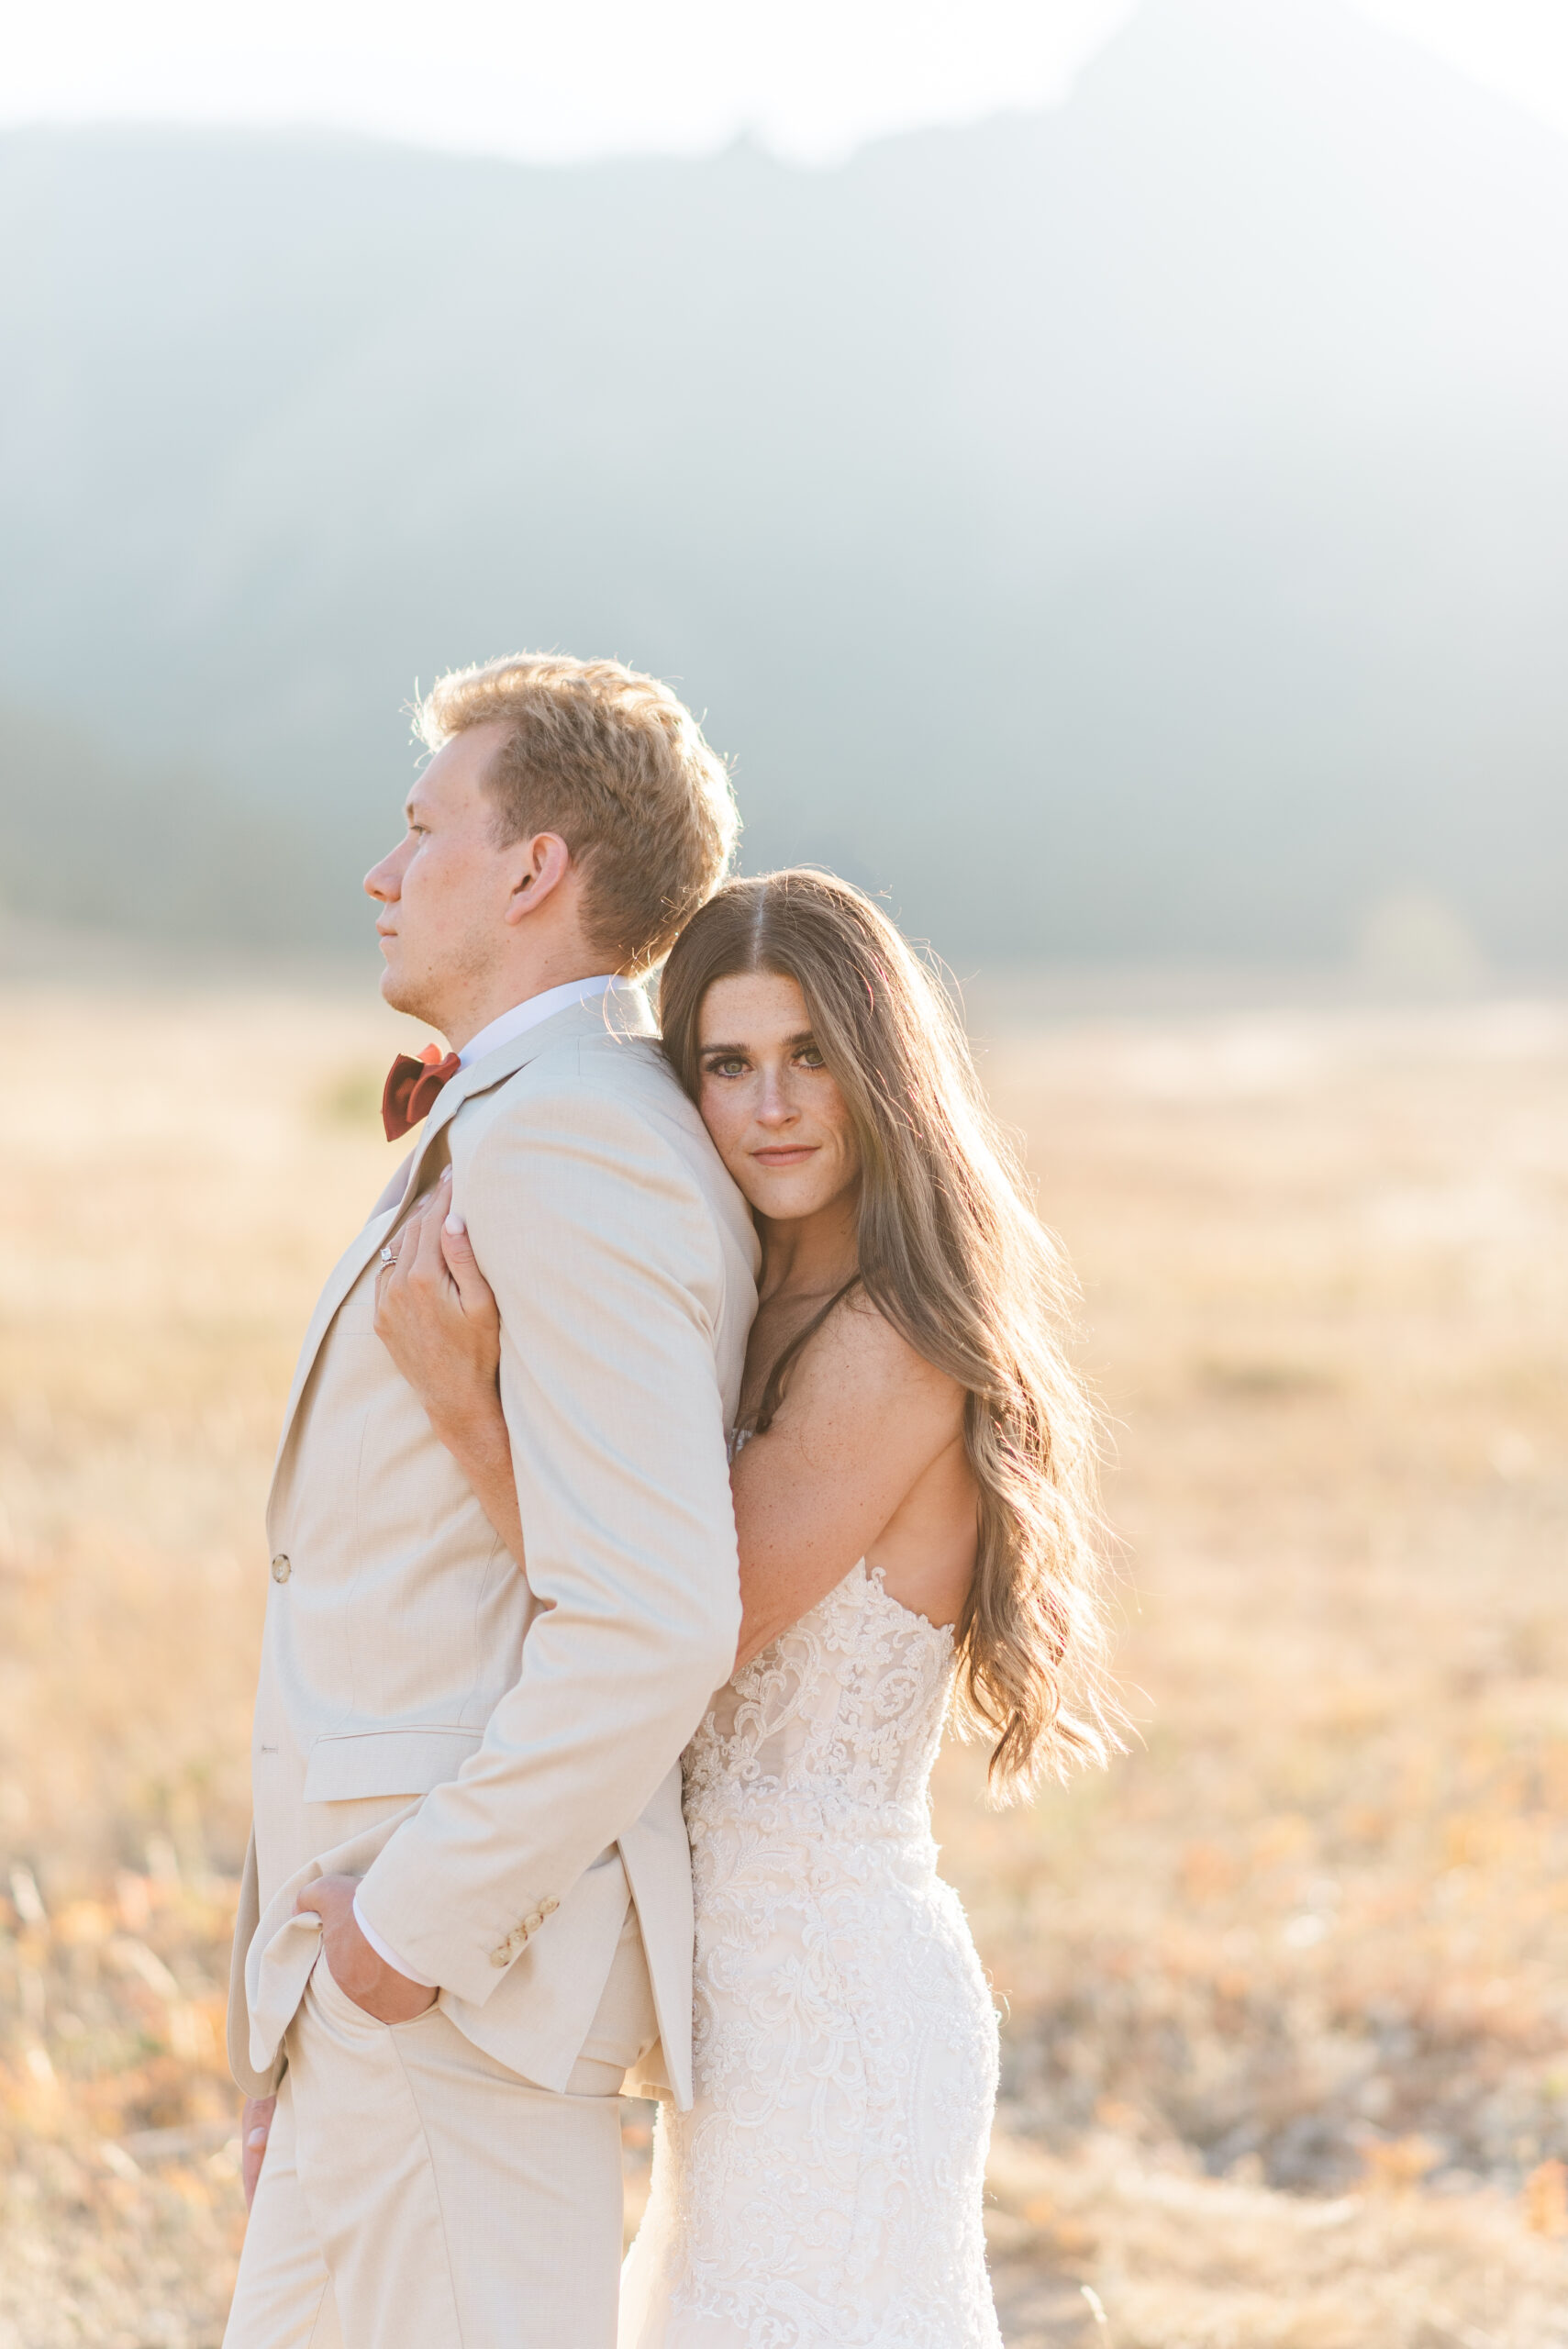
[
  {"x": 435, "y": 1313},
  {"x": 864, "y": 1419}
]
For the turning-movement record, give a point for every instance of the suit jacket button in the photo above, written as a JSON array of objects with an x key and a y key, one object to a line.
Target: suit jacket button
[
  {"x": 502, "y": 1956},
  {"x": 548, "y": 1908},
  {"x": 532, "y": 1922},
  {"x": 281, "y": 1568}
]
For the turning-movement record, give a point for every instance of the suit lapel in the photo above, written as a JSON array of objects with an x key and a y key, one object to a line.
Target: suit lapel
[{"x": 626, "y": 1011}]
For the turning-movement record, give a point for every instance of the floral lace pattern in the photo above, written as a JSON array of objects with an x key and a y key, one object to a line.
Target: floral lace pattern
[{"x": 825, "y": 2191}]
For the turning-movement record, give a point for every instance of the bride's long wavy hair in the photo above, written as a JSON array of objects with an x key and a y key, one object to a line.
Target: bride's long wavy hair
[{"x": 952, "y": 1253}]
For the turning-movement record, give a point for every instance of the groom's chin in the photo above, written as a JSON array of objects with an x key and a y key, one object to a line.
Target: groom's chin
[
  {"x": 401, "y": 992},
  {"x": 395, "y": 991}
]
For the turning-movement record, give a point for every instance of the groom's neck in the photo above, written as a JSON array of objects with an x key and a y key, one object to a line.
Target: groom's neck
[{"x": 487, "y": 999}]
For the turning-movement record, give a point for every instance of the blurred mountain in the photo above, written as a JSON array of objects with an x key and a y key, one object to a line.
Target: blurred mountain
[
  {"x": 1136, "y": 529},
  {"x": 92, "y": 840}
]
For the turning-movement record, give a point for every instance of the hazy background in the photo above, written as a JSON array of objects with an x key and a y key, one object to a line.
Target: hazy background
[{"x": 1102, "y": 472}]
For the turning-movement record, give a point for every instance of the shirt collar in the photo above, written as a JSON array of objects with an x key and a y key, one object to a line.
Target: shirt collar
[{"x": 524, "y": 1016}]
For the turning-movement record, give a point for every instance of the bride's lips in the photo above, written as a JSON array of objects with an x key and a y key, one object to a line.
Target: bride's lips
[{"x": 792, "y": 1157}]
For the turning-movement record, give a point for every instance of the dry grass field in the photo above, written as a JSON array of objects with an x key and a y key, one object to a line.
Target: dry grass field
[{"x": 1287, "y": 2049}]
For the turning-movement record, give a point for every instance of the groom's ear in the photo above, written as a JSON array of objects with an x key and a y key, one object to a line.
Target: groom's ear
[{"x": 541, "y": 864}]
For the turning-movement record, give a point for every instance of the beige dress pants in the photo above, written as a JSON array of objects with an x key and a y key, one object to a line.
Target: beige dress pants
[{"x": 417, "y": 2195}]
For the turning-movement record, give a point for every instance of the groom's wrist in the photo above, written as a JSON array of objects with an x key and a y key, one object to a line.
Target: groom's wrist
[{"x": 387, "y": 1954}]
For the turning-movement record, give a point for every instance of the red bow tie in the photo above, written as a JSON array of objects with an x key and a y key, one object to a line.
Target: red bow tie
[{"x": 412, "y": 1087}]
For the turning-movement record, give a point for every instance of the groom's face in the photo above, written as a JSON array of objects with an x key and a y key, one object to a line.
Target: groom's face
[{"x": 446, "y": 887}]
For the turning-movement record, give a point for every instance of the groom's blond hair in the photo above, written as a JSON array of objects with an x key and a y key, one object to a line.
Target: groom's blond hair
[{"x": 615, "y": 764}]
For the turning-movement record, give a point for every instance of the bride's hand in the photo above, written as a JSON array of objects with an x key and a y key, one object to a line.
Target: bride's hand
[{"x": 435, "y": 1313}]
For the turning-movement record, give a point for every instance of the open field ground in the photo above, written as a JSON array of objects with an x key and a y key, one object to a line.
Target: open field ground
[{"x": 1286, "y": 2050}]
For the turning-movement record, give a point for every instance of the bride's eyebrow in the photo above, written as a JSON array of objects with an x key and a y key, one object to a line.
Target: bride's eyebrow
[{"x": 805, "y": 1037}]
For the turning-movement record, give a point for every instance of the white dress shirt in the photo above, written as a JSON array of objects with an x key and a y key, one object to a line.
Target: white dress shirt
[
  {"x": 524, "y": 1016},
  {"x": 516, "y": 1023}
]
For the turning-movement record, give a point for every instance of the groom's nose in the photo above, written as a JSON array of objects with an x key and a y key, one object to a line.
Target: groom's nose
[{"x": 383, "y": 881}]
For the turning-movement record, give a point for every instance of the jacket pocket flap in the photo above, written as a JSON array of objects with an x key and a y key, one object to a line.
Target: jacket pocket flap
[{"x": 386, "y": 1761}]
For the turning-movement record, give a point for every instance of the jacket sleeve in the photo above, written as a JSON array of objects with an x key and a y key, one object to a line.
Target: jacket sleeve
[{"x": 594, "y": 1229}]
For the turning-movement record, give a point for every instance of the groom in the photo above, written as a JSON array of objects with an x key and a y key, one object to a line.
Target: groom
[{"x": 467, "y": 1905}]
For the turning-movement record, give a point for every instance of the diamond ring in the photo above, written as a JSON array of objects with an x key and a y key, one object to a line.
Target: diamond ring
[{"x": 387, "y": 1257}]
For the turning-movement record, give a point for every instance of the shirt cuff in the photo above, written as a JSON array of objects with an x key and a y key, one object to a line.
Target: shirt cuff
[{"x": 389, "y": 1956}]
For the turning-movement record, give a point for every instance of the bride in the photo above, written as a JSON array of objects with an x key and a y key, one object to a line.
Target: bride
[{"x": 913, "y": 1475}]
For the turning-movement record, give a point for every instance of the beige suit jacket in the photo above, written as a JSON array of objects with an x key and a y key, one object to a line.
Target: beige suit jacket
[{"x": 498, "y": 1758}]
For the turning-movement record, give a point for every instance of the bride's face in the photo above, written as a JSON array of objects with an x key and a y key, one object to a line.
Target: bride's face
[{"x": 776, "y": 1116}]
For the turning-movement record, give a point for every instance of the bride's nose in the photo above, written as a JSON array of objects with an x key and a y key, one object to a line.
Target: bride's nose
[{"x": 775, "y": 1107}]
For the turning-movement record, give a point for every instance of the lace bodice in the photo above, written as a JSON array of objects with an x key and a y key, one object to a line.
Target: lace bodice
[
  {"x": 825, "y": 2191},
  {"x": 842, "y": 1715}
]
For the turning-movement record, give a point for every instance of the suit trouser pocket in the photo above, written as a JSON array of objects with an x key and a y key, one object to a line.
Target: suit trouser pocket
[
  {"x": 283, "y": 2295},
  {"x": 457, "y": 2206},
  {"x": 367, "y": 2177}
]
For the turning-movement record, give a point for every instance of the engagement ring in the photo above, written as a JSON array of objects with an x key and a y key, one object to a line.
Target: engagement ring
[{"x": 387, "y": 1257}]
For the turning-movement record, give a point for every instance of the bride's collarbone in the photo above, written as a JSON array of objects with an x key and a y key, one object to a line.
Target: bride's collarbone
[{"x": 778, "y": 1323}]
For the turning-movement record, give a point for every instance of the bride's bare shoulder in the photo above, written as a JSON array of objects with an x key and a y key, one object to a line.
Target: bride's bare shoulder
[{"x": 859, "y": 1366}]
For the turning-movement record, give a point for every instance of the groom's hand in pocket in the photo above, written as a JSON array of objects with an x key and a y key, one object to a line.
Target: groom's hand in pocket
[{"x": 366, "y": 1978}]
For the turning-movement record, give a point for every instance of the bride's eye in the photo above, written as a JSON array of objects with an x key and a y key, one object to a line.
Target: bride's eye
[
  {"x": 809, "y": 1056},
  {"x": 729, "y": 1065}
]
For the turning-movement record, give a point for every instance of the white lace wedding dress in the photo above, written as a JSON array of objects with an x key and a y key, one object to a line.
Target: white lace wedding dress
[{"x": 825, "y": 2191}]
